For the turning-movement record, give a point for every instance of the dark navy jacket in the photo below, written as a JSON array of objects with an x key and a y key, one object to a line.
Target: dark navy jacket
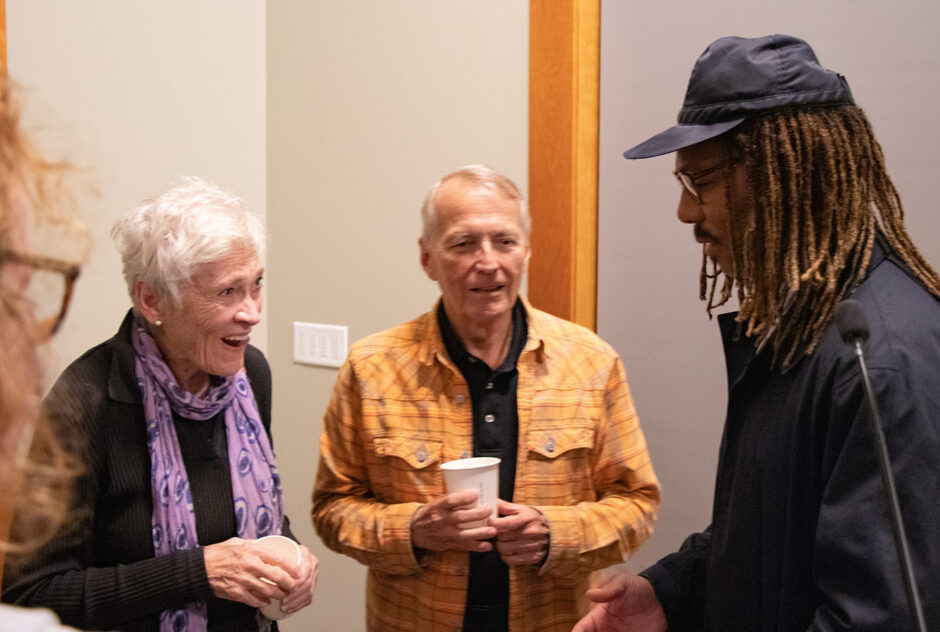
[{"x": 800, "y": 536}]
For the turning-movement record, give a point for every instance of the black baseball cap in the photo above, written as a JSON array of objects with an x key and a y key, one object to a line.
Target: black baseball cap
[{"x": 737, "y": 77}]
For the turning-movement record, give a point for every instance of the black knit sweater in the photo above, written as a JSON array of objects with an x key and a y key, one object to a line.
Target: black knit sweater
[{"x": 100, "y": 573}]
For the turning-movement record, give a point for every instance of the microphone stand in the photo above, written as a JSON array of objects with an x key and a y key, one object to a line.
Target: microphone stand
[{"x": 887, "y": 478}]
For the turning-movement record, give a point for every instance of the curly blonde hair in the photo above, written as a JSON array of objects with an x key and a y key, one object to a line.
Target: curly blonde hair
[{"x": 36, "y": 473}]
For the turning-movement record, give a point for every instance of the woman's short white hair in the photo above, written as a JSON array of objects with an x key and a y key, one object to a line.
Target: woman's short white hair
[
  {"x": 478, "y": 174},
  {"x": 164, "y": 239}
]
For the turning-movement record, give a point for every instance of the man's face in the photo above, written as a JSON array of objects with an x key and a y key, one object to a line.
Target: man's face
[
  {"x": 710, "y": 217},
  {"x": 478, "y": 252}
]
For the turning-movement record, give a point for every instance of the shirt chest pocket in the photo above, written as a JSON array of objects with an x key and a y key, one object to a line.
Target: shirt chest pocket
[
  {"x": 552, "y": 443},
  {"x": 407, "y": 468},
  {"x": 558, "y": 464}
]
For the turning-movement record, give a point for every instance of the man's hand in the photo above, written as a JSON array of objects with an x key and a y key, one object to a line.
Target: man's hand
[
  {"x": 436, "y": 525},
  {"x": 522, "y": 535},
  {"x": 627, "y": 603}
]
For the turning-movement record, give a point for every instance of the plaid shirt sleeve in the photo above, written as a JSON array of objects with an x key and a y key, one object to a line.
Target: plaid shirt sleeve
[
  {"x": 345, "y": 512},
  {"x": 590, "y": 535}
]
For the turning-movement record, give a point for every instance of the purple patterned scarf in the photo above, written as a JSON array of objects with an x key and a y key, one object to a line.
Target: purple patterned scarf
[{"x": 256, "y": 486}]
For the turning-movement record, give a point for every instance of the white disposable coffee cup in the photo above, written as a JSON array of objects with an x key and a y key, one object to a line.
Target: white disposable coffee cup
[
  {"x": 481, "y": 474},
  {"x": 290, "y": 551}
]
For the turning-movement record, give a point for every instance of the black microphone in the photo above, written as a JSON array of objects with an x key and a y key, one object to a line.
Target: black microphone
[
  {"x": 851, "y": 322},
  {"x": 853, "y": 327}
]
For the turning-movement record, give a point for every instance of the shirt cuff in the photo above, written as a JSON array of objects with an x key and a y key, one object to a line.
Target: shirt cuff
[
  {"x": 667, "y": 591},
  {"x": 564, "y": 543},
  {"x": 395, "y": 539}
]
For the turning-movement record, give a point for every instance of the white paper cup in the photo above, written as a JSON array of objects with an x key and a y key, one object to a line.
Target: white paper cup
[
  {"x": 481, "y": 474},
  {"x": 290, "y": 551}
]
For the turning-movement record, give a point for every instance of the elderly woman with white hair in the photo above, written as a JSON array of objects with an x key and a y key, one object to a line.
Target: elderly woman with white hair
[{"x": 171, "y": 420}]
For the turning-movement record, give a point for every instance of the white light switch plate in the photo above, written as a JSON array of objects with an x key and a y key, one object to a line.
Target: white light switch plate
[{"x": 321, "y": 345}]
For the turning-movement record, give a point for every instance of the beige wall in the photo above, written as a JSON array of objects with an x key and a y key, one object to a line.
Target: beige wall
[
  {"x": 138, "y": 93},
  {"x": 648, "y": 304},
  {"x": 368, "y": 103}
]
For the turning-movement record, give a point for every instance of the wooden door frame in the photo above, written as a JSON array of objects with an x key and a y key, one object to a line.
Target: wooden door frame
[{"x": 564, "y": 78}]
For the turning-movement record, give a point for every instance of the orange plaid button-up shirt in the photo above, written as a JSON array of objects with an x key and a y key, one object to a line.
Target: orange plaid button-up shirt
[{"x": 400, "y": 408}]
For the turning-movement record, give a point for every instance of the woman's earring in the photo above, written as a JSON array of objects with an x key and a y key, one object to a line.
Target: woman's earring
[{"x": 158, "y": 323}]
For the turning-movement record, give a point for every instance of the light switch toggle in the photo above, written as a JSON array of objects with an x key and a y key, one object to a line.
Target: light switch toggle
[{"x": 321, "y": 345}]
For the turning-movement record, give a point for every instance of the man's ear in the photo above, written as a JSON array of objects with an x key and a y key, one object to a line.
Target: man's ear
[
  {"x": 148, "y": 303},
  {"x": 426, "y": 259}
]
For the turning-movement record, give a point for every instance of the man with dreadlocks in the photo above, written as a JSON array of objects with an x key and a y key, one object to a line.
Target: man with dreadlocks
[{"x": 787, "y": 190}]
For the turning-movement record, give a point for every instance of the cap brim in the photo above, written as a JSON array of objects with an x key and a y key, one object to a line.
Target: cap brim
[{"x": 678, "y": 137}]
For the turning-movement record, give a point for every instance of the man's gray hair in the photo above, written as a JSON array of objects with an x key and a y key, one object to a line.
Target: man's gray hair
[
  {"x": 478, "y": 174},
  {"x": 164, "y": 239}
]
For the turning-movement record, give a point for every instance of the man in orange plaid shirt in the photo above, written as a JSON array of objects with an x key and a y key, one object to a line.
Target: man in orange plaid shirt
[{"x": 482, "y": 374}]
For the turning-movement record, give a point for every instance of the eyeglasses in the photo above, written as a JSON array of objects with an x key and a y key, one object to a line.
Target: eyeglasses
[
  {"x": 47, "y": 284},
  {"x": 689, "y": 181}
]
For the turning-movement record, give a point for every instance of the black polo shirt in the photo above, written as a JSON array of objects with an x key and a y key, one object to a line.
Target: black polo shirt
[{"x": 495, "y": 433}]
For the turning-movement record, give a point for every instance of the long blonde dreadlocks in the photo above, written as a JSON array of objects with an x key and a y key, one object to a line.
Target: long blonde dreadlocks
[{"x": 817, "y": 194}]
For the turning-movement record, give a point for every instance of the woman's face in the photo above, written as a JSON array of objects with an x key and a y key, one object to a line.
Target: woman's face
[{"x": 207, "y": 335}]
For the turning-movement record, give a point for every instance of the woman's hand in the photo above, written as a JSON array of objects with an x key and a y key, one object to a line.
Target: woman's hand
[
  {"x": 303, "y": 594},
  {"x": 239, "y": 570}
]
